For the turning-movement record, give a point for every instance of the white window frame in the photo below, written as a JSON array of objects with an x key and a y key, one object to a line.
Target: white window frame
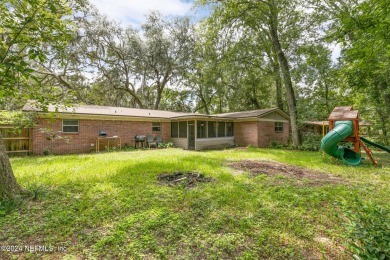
[
  {"x": 78, "y": 126},
  {"x": 156, "y": 126}
]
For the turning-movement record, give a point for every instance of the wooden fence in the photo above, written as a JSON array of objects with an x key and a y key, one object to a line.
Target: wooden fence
[{"x": 16, "y": 141}]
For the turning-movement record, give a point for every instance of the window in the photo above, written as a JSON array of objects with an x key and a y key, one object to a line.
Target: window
[
  {"x": 278, "y": 127},
  {"x": 229, "y": 129},
  {"x": 70, "y": 126},
  {"x": 175, "y": 129},
  {"x": 156, "y": 127},
  {"x": 179, "y": 129},
  {"x": 183, "y": 129},
  {"x": 221, "y": 129},
  {"x": 212, "y": 129},
  {"x": 201, "y": 126}
]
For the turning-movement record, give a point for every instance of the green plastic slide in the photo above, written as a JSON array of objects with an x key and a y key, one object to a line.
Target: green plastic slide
[
  {"x": 329, "y": 144},
  {"x": 375, "y": 144}
]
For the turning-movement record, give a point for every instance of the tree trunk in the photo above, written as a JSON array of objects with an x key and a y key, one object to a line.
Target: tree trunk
[
  {"x": 327, "y": 99},
  {"x": 203, "y": 100},
  {"x": 254, "y": 103},
  {"x": 137, "y": 100},
  {"x": 158, "y": 98},
  {"x": 285, "y": 71},
  {"x": 276, "y": 74},
  {"x": 8, "y": 185},
  {"x": 278, "y": 83}
]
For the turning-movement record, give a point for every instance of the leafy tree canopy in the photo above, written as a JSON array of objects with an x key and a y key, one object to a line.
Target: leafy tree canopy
[{"x": 29, "y": 31}]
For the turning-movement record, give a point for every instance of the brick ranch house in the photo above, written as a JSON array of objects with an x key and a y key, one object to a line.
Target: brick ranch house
[{"x": 76, "y": 129}]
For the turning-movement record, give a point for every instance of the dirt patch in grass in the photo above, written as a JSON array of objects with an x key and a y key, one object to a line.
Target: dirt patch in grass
[
  {"x": 186, "y": 179},
  {"x": 271, "y": 168}
]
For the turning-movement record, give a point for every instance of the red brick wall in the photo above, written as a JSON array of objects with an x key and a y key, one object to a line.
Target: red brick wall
[
  {"x": 267, "y": 133},
  {"x": 64, "y": 143},
  {"x": 246, "y": 133},
  {"x": 166, "y": 131},
  {"x": 257, "y": 134}
]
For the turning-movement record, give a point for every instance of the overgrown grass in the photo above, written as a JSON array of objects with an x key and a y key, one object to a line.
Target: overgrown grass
[{"x": 110, "y": 205}]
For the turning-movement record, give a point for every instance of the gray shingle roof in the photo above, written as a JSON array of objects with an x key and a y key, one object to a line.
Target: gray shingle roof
[
  {"x": 109, "y": 111},
  {"x": 244, "y": 114},
  {"x": 137, "y": 112}
]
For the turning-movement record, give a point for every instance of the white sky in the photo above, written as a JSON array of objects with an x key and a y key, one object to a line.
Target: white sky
[
  {"x": 336, "y": 51},
  {"x": 133, "y": 11}
]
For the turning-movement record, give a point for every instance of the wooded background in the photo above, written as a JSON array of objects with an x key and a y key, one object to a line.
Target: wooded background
[{"x": 247, "y": 54}]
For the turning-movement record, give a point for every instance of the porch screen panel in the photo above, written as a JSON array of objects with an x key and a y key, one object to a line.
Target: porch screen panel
[
  {"x": 212, "y": 129},
  {"x": 201, "y": 128},
  {"x": 183, "y": 129},
  {"x": 229, "y": 129},
  {"x": 174, "y": 129},
  {"x": 221, "y": 129}
]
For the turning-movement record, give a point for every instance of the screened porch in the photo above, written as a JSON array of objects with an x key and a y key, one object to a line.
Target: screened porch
[{"x": 202, "y": 134}]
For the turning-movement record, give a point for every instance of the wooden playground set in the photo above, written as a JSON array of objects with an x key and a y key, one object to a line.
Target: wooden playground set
[{"x": 344, "y": 127}]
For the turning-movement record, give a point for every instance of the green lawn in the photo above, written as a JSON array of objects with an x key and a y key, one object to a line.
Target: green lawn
[{"x": 110, "y": 205}]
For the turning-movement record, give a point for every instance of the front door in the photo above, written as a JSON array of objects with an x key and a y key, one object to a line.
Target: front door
[{"x": 191, "y": 135}]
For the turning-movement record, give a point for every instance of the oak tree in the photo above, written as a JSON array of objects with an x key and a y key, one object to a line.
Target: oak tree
[{"x": 26, "y": 29}]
